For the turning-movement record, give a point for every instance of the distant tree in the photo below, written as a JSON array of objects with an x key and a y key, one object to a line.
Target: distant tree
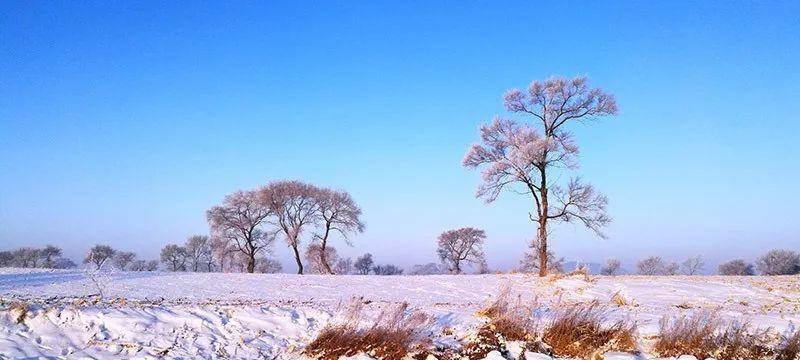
[
  {"x": 459, "y": 246},
  {"x": 779, "y": 262},
  {"x": 63, "y": 263},
  {"x": 655, "y": 265},
  {"x": 48, "y": 255},
  {"x": 343, "y": 266},
  {"x": 611, "y": 268},
  {"x": 736, "y": 267},
  {"x": 338, "y": 213},
  {"x": 6, "y": 259},
  {"x": 26, "y": 257},
  {"x": 387, "y": 270},
  {"x": 511, "y": 154},
  {"x": 364, "y": 264},
  {"x": 238, "y": 221},
  {"x": 151, "y": 265},
  {"x": 693, "y": 265},
  {"x": 122, "y": 259},
  {"x": 98, "y": 255},
  {"x": 198, "y": 250},
  {"x": 316, "y": 260},
  {"x": 268, "y": 266},
  {"x": 222, "y": 252},
  {"x": 138, "y": 265},
  {"x": 175, "y": 257},
  {"x": 295, "y": 205},
  {"x": 530, "y": 261},
  {"x": 427, "y": 269}
]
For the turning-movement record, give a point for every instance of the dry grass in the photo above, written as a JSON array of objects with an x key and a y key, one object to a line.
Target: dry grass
[
  {"x": 18, "y": 311},
  {"x": 789, "y": 348},
  {"x": 580, "y": 331},
  {"x": 510, "y": 319},
  {"x": 705, "y": 336},
  {"x": 394, "y": 334}
]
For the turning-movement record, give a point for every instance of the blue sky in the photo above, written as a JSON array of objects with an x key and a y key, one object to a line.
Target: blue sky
[{"x": 122, "y": 122}]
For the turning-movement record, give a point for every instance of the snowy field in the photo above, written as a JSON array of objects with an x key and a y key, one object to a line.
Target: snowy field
[{"x": 202, "y": 315}]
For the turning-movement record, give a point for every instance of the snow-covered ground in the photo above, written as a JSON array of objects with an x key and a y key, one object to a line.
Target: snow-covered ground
[{"x": 200, "y": 315}]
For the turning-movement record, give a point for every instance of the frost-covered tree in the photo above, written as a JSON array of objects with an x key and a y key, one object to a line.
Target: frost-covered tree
[
  {"x": 238, "y": 221},
  {"x": 344, "y": 266},
  {"x": 49, "y": 255},
  {"x": 63, "y": 263},
  {"x": 693, "y": 265},
  {"x": 364, "y": 264},
  {"x": 654, "y": 265},
  {"x": 736, "y": 267},
  {"x": 338, "y": 213},
  {"x": 122, "y": 259},
  {"x": 531, "y": 260},
  {"x": 175, "y": 257},
  {"x": 427, "y": 269},
  {"x": 671, "y": 268},
  {"x": 98, "y": 255},
  {"x": 612, "y": 267},
  {"x": 524, "y": 158},
  {"x": 267, "y": 265},
  {"x": 779, "y": 262},
  {"x": 461, "y": 246},
  {"x": 198, "y": 250},
  {"x": 388, "y": 269},
  {"x": 222, "y": 253},
  {"x": 296, "y": 208},
  {"x": 26, "y": 257},
  {"x": 317, "y": 261},
  {"x": 6, "y": 259}
]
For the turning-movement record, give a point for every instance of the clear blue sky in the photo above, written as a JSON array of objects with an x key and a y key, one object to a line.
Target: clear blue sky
[{"x": 122, "y": 122}]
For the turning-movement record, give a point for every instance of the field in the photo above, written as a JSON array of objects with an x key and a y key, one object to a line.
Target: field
[{"x": 73, "y": 313}]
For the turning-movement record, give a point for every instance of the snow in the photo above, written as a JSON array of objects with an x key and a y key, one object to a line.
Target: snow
[{"x": 211, "y": 315}]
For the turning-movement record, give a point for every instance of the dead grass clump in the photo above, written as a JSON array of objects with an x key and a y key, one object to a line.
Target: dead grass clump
[
  {"x": 18, "y": 311},
  {"x": 687, "y": 336},
  {"x": 579, "y": 331},
  {"x": 394, "y": 334},
  {"x": 704, "y": 336},
  {"x": 789, "y": 348},
  {"x": 511, "y": 320}
]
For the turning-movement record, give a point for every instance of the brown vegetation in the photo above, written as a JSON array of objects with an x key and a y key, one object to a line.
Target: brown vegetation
[
  {"x": 395, "y": 334},
  {"x": 580, "y": 331}
]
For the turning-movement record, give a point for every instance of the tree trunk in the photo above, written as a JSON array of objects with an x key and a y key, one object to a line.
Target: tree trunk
[
  {"x": 324, "y": 258},
  {"x": 251, "y": 262},
  {"x": 543, "y": 227},
  {"x": 297, "y": 259}
]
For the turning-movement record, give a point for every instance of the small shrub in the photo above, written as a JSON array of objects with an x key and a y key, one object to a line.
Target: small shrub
[
  {"x": 579, "y": 331},
  {"x": 394, "y": 334}
]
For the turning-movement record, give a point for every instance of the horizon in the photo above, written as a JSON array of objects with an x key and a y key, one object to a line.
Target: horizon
[{"x": 118, "y": 127}]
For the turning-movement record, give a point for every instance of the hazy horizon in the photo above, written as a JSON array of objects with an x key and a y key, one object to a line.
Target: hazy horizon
[{"x": 122, "y": 124}]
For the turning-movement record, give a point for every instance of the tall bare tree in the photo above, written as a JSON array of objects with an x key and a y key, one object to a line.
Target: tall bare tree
[
  {"x": 239, "y": 221},
  {"x": 295, "y": 206},
  {"x": 338, "y": 213},
  {"x": 512, "y": 153},
  {"x": 198, "y": 249},
  {"x": 464, "y": 245},
  {"x": 693, "y": 265}
]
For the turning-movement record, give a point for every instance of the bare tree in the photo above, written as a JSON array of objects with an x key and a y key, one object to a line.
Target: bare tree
[
  {"x": 343, "y": 266},
  {"x": 267, "y": 265},
  {"x": 26, "y": 257},
  {"x": 238, "y": 221},
  {"x": 198, "y": 250},
  {"x": 779, "y": 262},
  {"x": 427, "y": 269},
  {"x": 364, "y": 264},
  {"x": 294, "y": 203},
  {"x": 736, "y": 267},
  {"x": 671, "y": 268},
  {"x": 611, "y": 268},
  {"x": 138, "y": 265},
  {"x": 222, "y": 250},
  {"x": 653, "y": 265},
  {"x": 520, "y": 154},
  {"x": 464, "y": 245},
  {"x": 175, "y": 256},
  {"x": 387, "y": 270},
  {"x": 693, "y": 265},
  {"x": 49, "y": 254},
  {"x": 531, "y": 261},
  {"x": 337, "y": 213},
  {"x": 317, "y": 262},
  {"x": 6, "y": 259},
  {"x": 98, "y": 255},
  {"x": 123, "y": 258}
]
